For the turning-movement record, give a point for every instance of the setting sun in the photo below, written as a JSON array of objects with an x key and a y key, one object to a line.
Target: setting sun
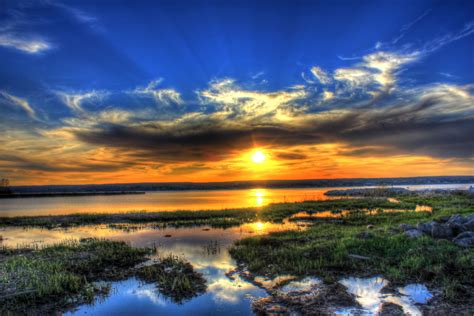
[{"x": 258, "y": 157}]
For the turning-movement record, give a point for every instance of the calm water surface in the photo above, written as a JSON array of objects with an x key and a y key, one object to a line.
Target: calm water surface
[{"x": 171, "y": 200}]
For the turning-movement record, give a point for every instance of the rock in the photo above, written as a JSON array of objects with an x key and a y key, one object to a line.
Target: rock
[
  {"x": 441, "y": 231},
  {"x": 413, "y": 233},
  {"x": 465, "y": 239},
  {"x": 444, "y": 219},
  {"x": 370, "y": 226},
  {"x": 456, "y": 223},
  {"x": 426, "y": 227},
  {"x": 469, "y": 217},
  {"x": 364, "y": 235},
  {"x": 390, "y": 309},
  {"x": 406, "y": 227},
  {"x": 456, "y": 218},
  {"x": 469, "y": 224}
]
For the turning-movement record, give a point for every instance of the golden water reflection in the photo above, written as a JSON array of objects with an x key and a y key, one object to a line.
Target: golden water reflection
[
  {"x": 158, "y": 201},
  {"x": 166, "y": 201}
]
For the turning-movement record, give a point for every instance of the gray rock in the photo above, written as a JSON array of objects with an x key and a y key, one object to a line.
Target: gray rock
[
  {"x": 413, "y": 233},
  {"x": 456, "y": 223},
  {"x": 406, "y": 227},
  {"x": 469, "y": 217},
  {"x": 456, "y": 219},
  {"x": 441, "y": 231},
  {"x": 426, "y": 227},
  {"x": 469, "y": 224},
  {"x": 465, "y": 239}
]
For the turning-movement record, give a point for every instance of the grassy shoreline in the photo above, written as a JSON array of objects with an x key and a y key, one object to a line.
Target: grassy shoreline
[
  {"x": 218, "y": 218},
  {"x": 367, "y": 245},
  {"x": 62, "y": 276}
]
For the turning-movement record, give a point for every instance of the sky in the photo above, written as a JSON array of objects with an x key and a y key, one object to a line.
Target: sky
[{"x": 171, "y": 91}]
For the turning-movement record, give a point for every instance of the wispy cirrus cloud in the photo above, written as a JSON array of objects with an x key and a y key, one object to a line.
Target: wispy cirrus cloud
[
  {"x": 20, "y": 103},
  {"x": 321, "y": 75},
  {"x": 163, "y": 96},
  {"x": 228, "y": 98},
  {"x": 75, "y": 100},
  {"x": 30, "y": 45}
]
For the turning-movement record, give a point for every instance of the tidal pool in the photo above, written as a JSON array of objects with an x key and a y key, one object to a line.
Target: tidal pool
[{"x": 369, "y": 295}]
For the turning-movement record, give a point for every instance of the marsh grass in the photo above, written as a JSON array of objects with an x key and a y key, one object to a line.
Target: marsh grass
[
  {"x": 175, "y": 278},
  {"x": 327, "y": 249},
  {"x": 32, "y": 276},
  {"x": 220, "y": 218}
]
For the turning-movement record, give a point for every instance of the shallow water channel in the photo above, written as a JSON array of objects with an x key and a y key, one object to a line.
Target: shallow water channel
[{"x": 206, "y": 248}]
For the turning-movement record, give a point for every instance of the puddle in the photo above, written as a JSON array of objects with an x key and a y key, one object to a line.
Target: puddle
[
  {"x": 369, "y": 295},
  {"x": 417, "y": 292}
]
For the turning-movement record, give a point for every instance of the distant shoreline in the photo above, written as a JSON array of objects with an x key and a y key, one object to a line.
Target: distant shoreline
[
  {"x": 140, "y": 188},
  {"x": 56, "y": 194}
]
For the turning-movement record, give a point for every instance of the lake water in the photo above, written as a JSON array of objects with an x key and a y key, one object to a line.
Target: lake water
[{"x": 172, "y": 200}]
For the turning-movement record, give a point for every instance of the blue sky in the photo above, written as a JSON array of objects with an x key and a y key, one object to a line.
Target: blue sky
[{"x": 149, "y": 84}]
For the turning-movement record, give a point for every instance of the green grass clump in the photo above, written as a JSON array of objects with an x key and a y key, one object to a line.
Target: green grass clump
[
  {"x": 328, "y": 248},
  {"x": 175, "y": 278},
  {"x": 31, "y": 277}
]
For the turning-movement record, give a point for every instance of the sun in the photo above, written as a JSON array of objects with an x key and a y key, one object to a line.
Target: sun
[{"x": 258, "y": 157}]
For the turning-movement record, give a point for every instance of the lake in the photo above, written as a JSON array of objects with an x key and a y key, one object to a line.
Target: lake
[
  {"x": 173, "y": 200},
  {"x": 205, "y": 247}
]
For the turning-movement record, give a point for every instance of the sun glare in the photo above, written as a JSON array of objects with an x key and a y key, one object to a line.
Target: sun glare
[{"x": 258, "y": 157}]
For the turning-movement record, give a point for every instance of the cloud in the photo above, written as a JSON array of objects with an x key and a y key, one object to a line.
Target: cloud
[
  {"x": 233, "y": 101},
  {"x": 74, "y": 100},
  {"x": 448, "y": 75},
  {"x": 363, "y": 110},
  {"x": 405, "y": 28},
  {"x": 26, "y": 45},
  {"x": 19, "y": 102},
  {"x": 376, "y": 72},
  {"x": 441, "y": 41},
  {"x": 165, "y": 97},
  {"x": 327, "y": 95},
  {"x": 432, "y": 120},
  {"x": 321, "y": 75}
]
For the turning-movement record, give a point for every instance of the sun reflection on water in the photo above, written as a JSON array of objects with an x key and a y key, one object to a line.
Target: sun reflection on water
[{"x": 258, "y": 195}]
